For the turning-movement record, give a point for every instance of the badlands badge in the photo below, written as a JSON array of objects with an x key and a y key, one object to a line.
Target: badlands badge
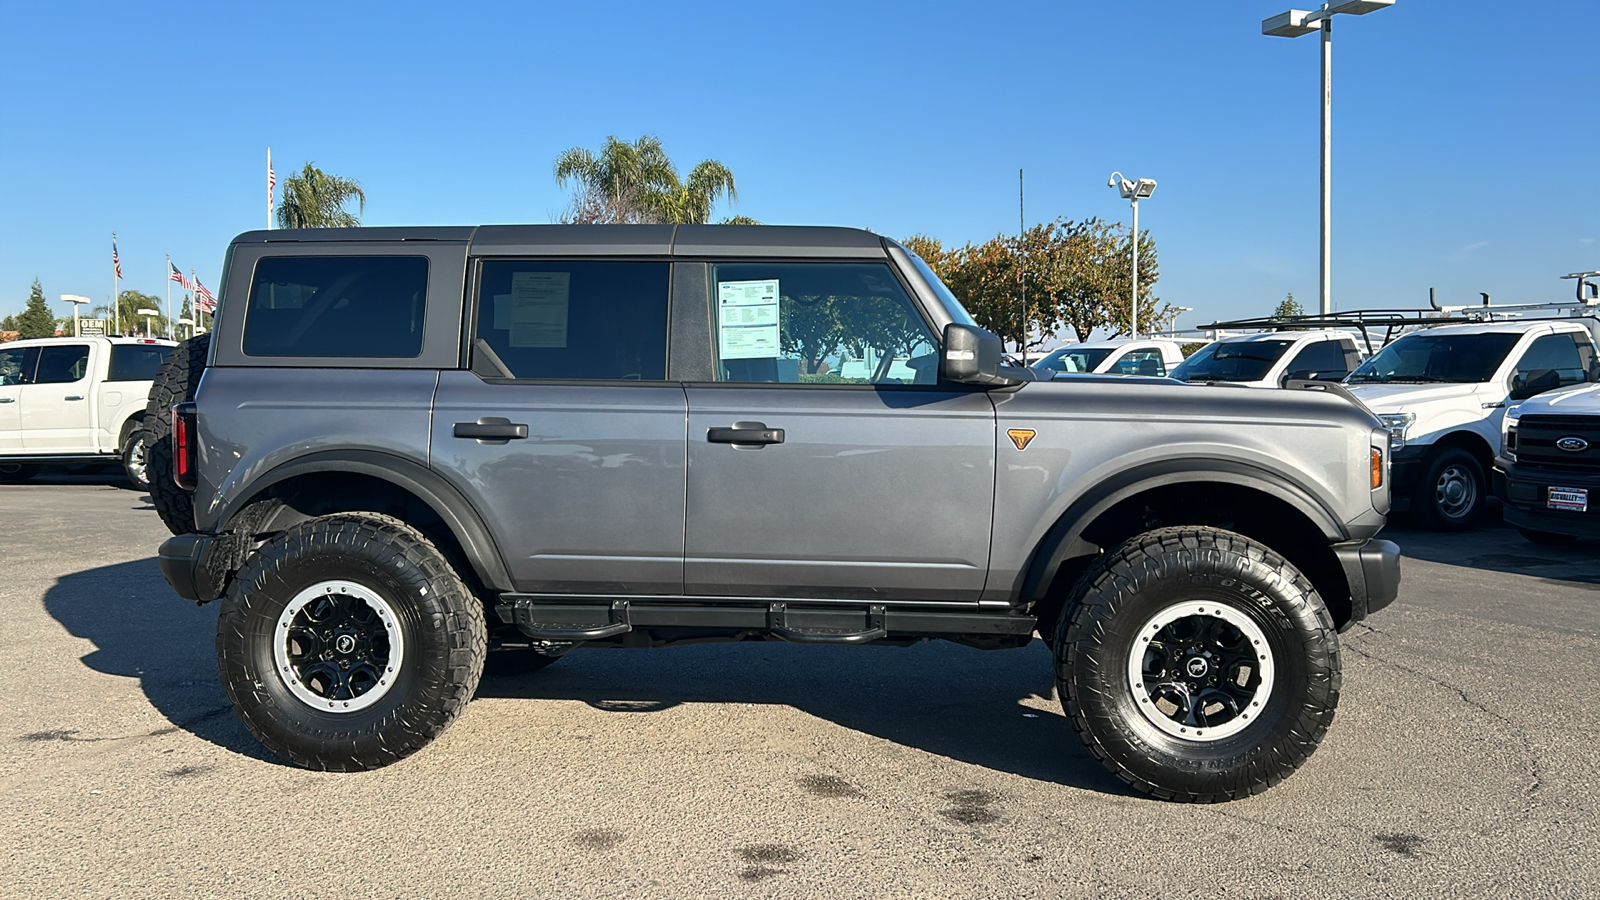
[{"x": 1021, "y": 436}]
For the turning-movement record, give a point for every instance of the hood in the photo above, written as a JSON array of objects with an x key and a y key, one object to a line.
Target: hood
[
  {"x": 1578, "y": 400},
  {"x": 1397, "y": 397}
]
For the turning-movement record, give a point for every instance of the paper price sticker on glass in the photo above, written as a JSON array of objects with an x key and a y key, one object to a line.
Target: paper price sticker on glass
[
  {"x": 747, "y": 319},
  {"x": 535, "y": 312}
]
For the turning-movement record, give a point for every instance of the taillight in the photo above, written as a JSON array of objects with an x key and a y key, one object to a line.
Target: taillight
[{"x": 184, "y": 446}]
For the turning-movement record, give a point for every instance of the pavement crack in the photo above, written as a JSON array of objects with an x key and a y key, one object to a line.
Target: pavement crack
[{"x": 1535, "y": 772}]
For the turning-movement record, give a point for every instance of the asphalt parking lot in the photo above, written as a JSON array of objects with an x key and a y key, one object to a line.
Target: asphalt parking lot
[{"x": 1465, "y": 758}]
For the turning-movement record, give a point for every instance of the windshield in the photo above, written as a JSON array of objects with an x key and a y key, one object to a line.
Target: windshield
[
  {"x": 1422, "y": 357},
  {"x": 1232, "y": 361},
  {"x": 958, "y": 313},
  {"x": 1068, "y": 360}
]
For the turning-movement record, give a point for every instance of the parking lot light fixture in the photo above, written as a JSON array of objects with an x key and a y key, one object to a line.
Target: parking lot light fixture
[
  {"x": 1294, "y": 23},
  {"x": 76, "y": 301},
  {"x": 1133, "y": 190}
]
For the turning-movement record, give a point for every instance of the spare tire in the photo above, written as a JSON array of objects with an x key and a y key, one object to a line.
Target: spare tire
[{"x": 175, "y": 383}]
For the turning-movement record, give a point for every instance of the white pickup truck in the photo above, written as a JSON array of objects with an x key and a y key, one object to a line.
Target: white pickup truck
[
  {"x": 70, "y": 401},
  {"x": 1443, "y": 392}
]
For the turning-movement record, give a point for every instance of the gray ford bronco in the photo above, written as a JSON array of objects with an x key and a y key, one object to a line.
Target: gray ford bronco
[{"x": 408, "y": 447}]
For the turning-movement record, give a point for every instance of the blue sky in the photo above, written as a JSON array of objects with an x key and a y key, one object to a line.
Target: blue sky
[{"x": 1466, "y": 134}]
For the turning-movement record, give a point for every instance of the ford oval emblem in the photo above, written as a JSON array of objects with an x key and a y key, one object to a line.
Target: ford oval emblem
[{"x": 1573, "y": 444}]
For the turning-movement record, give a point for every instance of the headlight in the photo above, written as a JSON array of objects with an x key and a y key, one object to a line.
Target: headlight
[
  {"x": 1397, "y": 423},
  {"x": 1508, "y": 433}
]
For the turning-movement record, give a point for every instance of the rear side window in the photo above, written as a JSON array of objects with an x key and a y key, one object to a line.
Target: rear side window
[
  {"x": 62, "y": 364},
  {"x": 137, "y": 362},
  {"x": 579, "y": 320},
  {"x": 1142, "y": 362},
  {"x": 349, "y": 306},
  {"x": 1552, "y": 361}
]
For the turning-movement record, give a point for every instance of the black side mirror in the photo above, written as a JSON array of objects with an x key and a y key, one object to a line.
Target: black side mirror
[{"x": 970, "y": 355}]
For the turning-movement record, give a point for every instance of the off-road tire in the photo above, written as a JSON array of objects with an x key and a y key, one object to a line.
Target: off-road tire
[
  {"x": 175, "y": 383},
  {"x": 1434, "y": 502},
  {"x": 440, "y": 622},
  {"x": 1143, "y": 579},
  {"x": 16, "y": 473},
  {"x": 1547, "y": 538},
  {"x": 136, "y": 459}
]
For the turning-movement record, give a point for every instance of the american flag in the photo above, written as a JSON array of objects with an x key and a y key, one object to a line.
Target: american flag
[
  {"x": 116, "y": 264},
  {"x": 203, "y": 300},
  {"x": 179, "y": 277},
  {"x": 272, "y": 178}
]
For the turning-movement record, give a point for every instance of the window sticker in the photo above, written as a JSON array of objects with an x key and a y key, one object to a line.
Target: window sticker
[
  {"x": 747, "y": 319},
  {"x": 539, "y": 302}
]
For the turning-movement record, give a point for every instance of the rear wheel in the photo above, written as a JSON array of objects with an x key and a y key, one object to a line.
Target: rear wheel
[
  {"x": 175, "y": 383},
  {"x": 135, "y": 459},
  {"x": 348, "y": 642},
  {"x": 1452, "y": 492},
  {"x": 1197, "y": 665}
]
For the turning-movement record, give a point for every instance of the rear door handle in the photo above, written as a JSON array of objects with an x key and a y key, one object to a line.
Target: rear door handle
[
  {"x": 74, "y": 397},
  {"x": 491, "y": 430},
  {"x": 745, "y": 433},
  {"x": 8, "y": 399}
]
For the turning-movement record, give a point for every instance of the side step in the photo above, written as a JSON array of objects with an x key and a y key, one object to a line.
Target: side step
[{"x": 567, "y": 618}]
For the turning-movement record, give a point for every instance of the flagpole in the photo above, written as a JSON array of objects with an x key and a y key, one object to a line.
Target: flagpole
[
  {"x": 169, "y": 297},
  {"x": 116, "y": 324},
  {"x": 269, "y": 188}
]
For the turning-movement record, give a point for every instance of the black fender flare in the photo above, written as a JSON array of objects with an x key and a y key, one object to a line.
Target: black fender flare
[
  {"x": 448, "y": 503},
  {"x": 1064, "y": 540}
]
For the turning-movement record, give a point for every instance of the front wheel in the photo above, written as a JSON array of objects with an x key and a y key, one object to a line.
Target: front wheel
[
  {"x": 1452, "y": 492},
  {"x": 348, "y": 642},
  {"x": 1197, "y": 665}
]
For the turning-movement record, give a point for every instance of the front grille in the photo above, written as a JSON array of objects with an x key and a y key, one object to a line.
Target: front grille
[{"x": 1536, "y": 439}]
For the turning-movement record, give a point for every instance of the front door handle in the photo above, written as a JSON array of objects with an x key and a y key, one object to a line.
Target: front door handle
[
  {"x": 491, "y": 430},
  {"x": 745, "y": 433},
  {"x": 8, "y": 399},
  {"x": 74, "y": 397}
]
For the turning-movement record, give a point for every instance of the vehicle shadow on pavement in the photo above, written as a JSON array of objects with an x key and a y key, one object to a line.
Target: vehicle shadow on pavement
[
  {"x": 1498, "y": 547},
  {"x": 141, "y": 630},
  {"x": 941, "y": 698}
]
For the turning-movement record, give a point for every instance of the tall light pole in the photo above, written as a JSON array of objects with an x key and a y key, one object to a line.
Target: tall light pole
[
  {"x": 149, "y": 318},
  {"x": 74, "y": 299},
  {"x": 1133, "y": 191},
  {"x": 1292, "y": 24}
]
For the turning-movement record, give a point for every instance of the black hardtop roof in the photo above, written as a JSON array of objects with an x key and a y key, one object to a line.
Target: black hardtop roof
[{"x": 608, "y": 240}]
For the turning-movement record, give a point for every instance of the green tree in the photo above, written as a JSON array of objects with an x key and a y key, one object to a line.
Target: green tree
[
  {"x": 128, "y": 305},
  {"x": 637, "y": 182},
  {"x": 314, "y": 199},
  {"x": 36, "y": 320},
  {"x": 1289, "y": 307},
  {"x": 9, "y": 323}
]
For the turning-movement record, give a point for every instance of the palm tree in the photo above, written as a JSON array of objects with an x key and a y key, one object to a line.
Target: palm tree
[
  {"x": 637, "y": 182},
  {"x": 315, "y": 199}
]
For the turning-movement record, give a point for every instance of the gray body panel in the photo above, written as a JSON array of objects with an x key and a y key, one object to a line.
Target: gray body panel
[
  {"x": 873, "y": 494},
  {"x": 592, "y": 500},
  {"x": 1096, "y": 434},
  {"x": 253, "y": 420}
]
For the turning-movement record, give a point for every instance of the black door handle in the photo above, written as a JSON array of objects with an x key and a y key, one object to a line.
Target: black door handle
[
  {"x": 491, "y": 430},
  {"x": 745, "y": 433}
]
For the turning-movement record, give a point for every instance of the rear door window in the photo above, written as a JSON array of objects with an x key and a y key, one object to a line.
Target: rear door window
[
  {"x": 1552, "y": 361},
  {"x": 574, "y": 320},
  {"x": 344, "y": 306},
  {"x": 1141, "y": 362}
]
